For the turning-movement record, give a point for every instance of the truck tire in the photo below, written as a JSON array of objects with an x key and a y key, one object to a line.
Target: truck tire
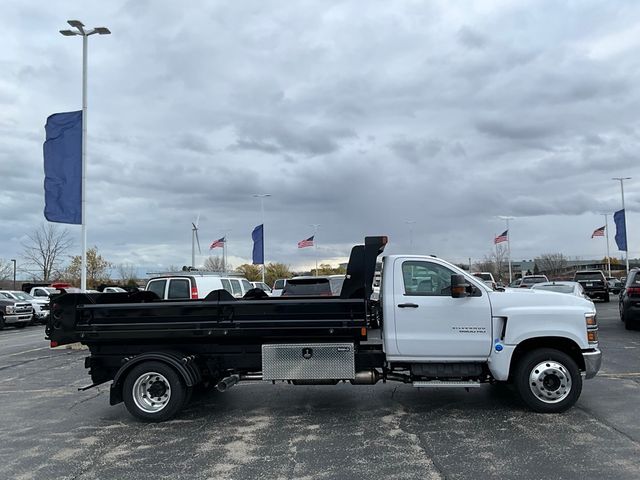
[
  {"x": 548, "y": 380},
  {"x": 153, "y": 392},
  {"x": 606, "y": 298},
  {"x": 1, "y": 321}
]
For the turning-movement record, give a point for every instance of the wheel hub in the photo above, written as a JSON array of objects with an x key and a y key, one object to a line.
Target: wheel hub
[
  {"x": 151, "y": 392},
  {"x": 550, "y": 381}
]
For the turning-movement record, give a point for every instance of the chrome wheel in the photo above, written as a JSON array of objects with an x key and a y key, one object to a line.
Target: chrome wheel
[
  {"x": 550, "y": 381},
  {"x": 151, "y": 392}
]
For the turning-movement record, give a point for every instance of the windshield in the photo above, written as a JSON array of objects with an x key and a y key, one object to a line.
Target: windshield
[
  {"x": 588, "y": 276},
  {"x": 555, "y": 288},
  {"x": 312, "y": 286},
  {"x": 533, "y": 280},
  {"x": 483, "y": 276},
  {"x": 22, "y": 295}
]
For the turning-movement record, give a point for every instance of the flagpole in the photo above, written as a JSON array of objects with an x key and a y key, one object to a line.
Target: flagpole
[
  {"x": 315, "y": 243},
  {"x": 626, "y": 252},
  {"x": 606, "y": 229},
  {"x": 508, "y": 245}
]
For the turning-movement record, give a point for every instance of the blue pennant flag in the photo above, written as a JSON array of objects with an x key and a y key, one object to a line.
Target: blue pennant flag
[
  {"x": 621, "y": 230},
  {"x": 63, "y": 168},
  {"x": 258, "y": 245}
]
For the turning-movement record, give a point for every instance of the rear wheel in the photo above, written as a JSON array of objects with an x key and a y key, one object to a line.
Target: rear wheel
[
  {"x": 548, "y": 380},
  {"x": 154, "y": 392}
]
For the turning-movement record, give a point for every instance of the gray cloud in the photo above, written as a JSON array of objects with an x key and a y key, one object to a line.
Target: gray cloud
[{"x": 357, "y": 118}]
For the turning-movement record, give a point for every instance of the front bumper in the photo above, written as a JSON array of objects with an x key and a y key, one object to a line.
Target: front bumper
[
  {"x": 13, "y": 319},
  {"x": 592, "y": 362}
]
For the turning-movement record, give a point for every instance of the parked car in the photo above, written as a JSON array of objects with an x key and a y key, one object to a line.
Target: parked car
[
  {"x": 572, "y": 288},
  {"x": 594, "y": 283},
  {"x": 629, "y": 301},
  {"x": 516, "y": 283},
  {"x": 262, "y": 286},
  {"x": 487, "y": 278},
  {"x": 278, "y": 286},
  {"x": 40, "y": 305},
  {"x": 15, "y": 313},
  {"x": 43, "y": 292},
  {"x": 330, "y": 285},
  {"x": 615, "y": 285},
  {"x": 529, "y": 280},
  {"x": 113, "y": 290},
  {"x": 196, "y": 285}
]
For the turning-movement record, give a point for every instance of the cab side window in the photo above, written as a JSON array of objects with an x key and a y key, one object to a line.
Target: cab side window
[
  {"x": 237, "y": 290},
  {"x": 179, "y": 288},
  {"x": 226, "y": 285},
  {"x": 426, "y": 279},
  {"x": 157, "y": 287}
]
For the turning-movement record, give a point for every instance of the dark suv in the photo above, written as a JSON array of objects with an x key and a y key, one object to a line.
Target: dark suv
[
  {"x": 594, "y": 283},
  {"x": 630, "y": 301}
]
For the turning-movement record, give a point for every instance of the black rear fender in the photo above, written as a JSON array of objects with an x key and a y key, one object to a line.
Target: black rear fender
[{"x": 185, "y": 366}]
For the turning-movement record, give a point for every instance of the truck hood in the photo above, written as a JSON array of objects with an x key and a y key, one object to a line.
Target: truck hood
[
  {"x": 526, "y": 297},
  {"x": 539, "y": 313}
]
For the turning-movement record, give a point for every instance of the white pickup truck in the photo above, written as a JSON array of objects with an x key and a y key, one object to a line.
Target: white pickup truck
[{"x": 433, "y": 326}]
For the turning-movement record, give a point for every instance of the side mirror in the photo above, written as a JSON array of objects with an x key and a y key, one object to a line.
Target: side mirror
[{"x": 459, "y": 286}]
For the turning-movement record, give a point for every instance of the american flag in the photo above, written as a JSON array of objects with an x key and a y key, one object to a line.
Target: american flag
[
  {"x": 217, "y": 243},
  {"x": 306, "y": 243},
  {"x": 598, "y": 232},
  {"x": 503, "y": 237}
]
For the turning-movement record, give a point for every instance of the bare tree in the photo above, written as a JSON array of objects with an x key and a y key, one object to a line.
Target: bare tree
[
  {"x": 215, "y": 264},
  {"x": 127, "y": 273},
  {"x": 495, "y": 263},
  {"x": 552, "y": 264},
  {"x": 44, "y": 249},
  {"x": 6, "y": 269}
]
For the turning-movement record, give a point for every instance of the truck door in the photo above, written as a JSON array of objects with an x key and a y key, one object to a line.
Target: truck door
[{"x": 432, "y": 325}]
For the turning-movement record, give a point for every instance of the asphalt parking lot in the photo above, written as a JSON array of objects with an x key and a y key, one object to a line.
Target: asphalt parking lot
[{"x": 50, "y": 430}]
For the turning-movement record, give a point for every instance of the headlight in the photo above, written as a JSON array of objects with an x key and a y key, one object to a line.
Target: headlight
[{"x": 10, "y": 309}]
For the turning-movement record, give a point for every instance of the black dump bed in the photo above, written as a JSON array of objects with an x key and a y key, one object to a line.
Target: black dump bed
[{"x": 133, "y": 318}]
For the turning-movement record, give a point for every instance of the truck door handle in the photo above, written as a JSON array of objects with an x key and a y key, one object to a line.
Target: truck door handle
[{"x": 408, "y": 305}]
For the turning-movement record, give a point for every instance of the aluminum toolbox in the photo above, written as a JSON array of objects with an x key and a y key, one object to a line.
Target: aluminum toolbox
[{"x": 308, "y": 361}]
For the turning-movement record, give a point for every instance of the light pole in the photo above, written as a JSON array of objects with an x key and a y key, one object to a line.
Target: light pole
[
  {"x": 626, "y": 252},
  {"x": 14, "y": 272},
  {"x": 508, "y": 243},
  {"x": 606, "y": 229},
  {"x": 262, "y": 196},
  {"x": 79, "y": 29},
  {"x": 410, "y": 223},
  {"x": 315, "y": 243}
]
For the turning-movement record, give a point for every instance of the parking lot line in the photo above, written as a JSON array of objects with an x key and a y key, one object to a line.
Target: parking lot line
[{"x": 26, "y": 351}]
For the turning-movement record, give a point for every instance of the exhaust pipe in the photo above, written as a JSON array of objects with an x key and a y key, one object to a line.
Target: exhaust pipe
[{"x": 226, "y": 383}]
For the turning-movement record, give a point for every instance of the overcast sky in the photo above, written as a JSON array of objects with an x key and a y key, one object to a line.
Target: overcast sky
[{"x": 357, "y": 116}]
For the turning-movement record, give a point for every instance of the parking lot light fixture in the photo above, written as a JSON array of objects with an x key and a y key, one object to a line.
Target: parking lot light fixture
[
  {"x": 84, "y": 33},
  {"x": 626, "y": 253}
]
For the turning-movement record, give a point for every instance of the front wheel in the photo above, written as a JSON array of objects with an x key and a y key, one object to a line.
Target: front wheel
[
  {"x": 154, "y": 392},
  {"x": 606, "y": 298},
  {"x": 548, "y": 380}
]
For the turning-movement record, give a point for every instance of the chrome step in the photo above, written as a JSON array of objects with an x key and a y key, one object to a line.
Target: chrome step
[{"x": 445, "y": 383}]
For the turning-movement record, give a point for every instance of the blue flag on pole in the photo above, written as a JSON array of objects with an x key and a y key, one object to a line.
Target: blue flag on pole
[
  {"x": 621, "y": 230},
  {"x": 258, "y": 245},
  {"x": 63, "y": 168}
]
